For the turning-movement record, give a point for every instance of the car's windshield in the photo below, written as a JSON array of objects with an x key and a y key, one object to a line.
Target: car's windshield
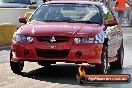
[
  {"x": 16, "y": 1},
  {"x": 67, "y": 13}
]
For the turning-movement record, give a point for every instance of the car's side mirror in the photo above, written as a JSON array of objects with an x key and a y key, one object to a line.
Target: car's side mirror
[
  {"x": 112, "y": 22},
  {"x": 23, "y": 20}
]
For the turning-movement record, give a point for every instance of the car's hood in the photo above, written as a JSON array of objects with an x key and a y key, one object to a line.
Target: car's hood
[
  {"x": 13, "y": 5},
  {"x": 60, "y": 29}
]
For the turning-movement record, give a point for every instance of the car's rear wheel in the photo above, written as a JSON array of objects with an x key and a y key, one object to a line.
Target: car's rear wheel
[
  {"x": 16, "y": 67},
  {"x": 103, "y": 67},
  {"x": 120, "y": 56}
]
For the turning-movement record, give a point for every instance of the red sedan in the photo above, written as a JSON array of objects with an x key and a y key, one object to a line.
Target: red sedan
[{"x": 69, "y": 31}]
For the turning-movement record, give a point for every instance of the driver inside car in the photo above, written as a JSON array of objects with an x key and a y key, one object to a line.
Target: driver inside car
[{"x": 54, "y": 14}]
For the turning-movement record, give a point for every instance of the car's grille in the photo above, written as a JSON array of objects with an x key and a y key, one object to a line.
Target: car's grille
[
  {"x": 52, "y": 53},
  {"x": 53, "y": 39}
]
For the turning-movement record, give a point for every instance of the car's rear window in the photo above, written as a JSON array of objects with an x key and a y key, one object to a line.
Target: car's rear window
[{"x": 67, "y": 13}]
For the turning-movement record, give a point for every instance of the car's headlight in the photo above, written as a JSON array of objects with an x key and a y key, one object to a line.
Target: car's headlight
[
  {"x": 97, "y": 39},
  {"x": 77, "y": 40},
  {"x": 29, "y": 39},
  {"x": 22, "y": 38}
]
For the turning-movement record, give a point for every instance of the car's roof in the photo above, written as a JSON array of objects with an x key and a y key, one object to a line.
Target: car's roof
[{"x": 75, "y": 1}]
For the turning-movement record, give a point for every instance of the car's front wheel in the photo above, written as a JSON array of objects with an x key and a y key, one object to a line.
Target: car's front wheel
[
  {"x": 103, "y": 67},
  {"x": 120, "y": 56},
  {"x": 46, "y": 64},
  {"x": 16, "y": 67}
]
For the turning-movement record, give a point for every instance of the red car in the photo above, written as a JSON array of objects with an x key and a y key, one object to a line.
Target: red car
[{"x": 69, "y": 31}]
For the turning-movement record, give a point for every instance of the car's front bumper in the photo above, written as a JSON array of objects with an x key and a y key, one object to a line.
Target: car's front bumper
[{"x": 87, "y": 53}]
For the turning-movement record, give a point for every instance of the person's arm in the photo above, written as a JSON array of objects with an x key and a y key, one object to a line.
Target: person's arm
[
  {"x": 116, "y": 4},
  {"x": 128, "y": 3}
]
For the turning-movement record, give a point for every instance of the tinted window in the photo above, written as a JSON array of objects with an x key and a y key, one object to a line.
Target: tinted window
[{"x": 67, "y": 13}]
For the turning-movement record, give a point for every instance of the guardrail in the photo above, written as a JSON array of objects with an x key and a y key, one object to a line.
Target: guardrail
[{"x": 6, "y": 33}]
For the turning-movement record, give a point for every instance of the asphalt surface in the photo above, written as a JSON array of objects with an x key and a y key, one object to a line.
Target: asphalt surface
[{"x": 60, "y": 75}]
